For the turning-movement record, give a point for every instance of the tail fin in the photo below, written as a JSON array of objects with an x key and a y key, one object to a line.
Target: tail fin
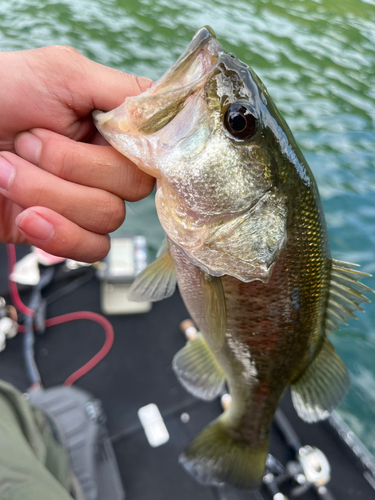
[{"x": 214, "y": 458}]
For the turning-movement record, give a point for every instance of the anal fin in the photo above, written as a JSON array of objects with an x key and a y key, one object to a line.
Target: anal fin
[
  {"x": 198, "y": 370},
  {"x": 322, "y": 386},
  {"x": 156, "y": 282}
]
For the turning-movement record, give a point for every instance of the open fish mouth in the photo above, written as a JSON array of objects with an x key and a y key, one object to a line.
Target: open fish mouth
[{"x": 156, "y": 107}]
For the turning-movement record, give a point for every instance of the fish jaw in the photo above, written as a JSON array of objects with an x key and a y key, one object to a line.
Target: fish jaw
[
  {"x": 212, "y": 184},
  {"x": 138, "y": 127}
]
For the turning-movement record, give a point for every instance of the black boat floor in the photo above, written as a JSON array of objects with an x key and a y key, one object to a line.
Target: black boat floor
[{"x": 137, "y": 371}]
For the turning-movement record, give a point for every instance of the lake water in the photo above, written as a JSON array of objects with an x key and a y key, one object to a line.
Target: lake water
[{"x": 317, "y": 58}]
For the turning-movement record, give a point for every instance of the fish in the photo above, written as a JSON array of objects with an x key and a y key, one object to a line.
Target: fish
[{"x": 247, "y": 244}]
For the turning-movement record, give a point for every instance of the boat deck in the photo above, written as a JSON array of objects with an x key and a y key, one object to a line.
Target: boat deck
[{"x": 137, "y": 371}]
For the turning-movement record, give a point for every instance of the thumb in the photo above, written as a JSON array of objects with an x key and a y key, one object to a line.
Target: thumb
[
  {"x": 96, "y": 86},
  {"x": 108, "y": 87}
]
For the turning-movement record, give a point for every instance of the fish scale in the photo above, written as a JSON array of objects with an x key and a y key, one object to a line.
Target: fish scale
[{"x": 248, "y": 247}]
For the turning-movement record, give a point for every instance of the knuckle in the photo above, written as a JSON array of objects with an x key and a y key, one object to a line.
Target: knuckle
[
  {"x": 58, "y": 56},
  {"x": 85, "y": 247},
  {"x": 143, "y": 186},
  {"x": 95, "y": 250},
  {"x": 39, "y": 195},
  {"x": 66, "y": 50},
  {"x": 63, "y": 163},
  {"x": 11, "y": 174},
  {"x": 101, "y": 249},
  {"x": 137, "y": 84},
  {"x": 133, "y": 184},
  {"x": 112, "y": 210}
]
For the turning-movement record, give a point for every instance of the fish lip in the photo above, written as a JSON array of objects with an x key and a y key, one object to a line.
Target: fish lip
[
  {"x": 149, "y": 112},
  {"x": 186, "y": 77},
  {"x": 204, "y": 42}
]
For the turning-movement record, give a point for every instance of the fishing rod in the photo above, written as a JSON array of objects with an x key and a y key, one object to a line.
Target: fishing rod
[
  {"x": 274, "y": 475},
  {"x": 311, "y": 468}
]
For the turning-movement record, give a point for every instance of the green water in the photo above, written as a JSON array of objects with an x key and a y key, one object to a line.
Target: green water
[{"x": 317, "y": 59}]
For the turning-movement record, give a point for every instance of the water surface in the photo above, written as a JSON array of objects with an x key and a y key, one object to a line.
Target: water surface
[{"x": 317, "y": 58}]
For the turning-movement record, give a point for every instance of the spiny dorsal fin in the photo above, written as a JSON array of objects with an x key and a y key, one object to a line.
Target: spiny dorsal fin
[
  {"x": 322, "y": 386},
  {"x": 215, "y": 309},
  {"x": 156, "y": 282},
  {"x": 345, "y": 294},
  {"x": 198, "y": 370}
]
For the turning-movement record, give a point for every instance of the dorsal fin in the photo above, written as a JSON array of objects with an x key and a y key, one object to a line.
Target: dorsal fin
[
  {"x": 345, "y": 294},
  {"x": 156, "y": 282}
]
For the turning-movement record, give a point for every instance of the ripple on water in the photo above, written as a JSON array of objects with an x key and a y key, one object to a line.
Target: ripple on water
[{"x": 317, "y": 59}]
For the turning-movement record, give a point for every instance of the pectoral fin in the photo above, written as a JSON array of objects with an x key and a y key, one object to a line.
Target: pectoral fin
[
  {"x": 322, "y": 386},
  {"x": 215, "y": 309},
  {"x": 164, "y": 247},
  {"x": 198, "y": 370},
  {"x": 345, "y": 294},
  {"x": 156, "y": 282}
]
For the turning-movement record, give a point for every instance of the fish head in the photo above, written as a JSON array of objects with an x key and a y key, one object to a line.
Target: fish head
[{"x": 223, "y": 157}]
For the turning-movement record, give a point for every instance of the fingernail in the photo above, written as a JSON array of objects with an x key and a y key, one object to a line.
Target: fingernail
[
  {"x": 29, "y": 147},
  {"x": 6, "y": 173},
  {"x": 144, "y": 83},
  {"x": 35, "y": 226}
]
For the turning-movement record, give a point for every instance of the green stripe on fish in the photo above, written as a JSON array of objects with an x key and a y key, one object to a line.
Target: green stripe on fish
[{"x": 216, "y": 313}]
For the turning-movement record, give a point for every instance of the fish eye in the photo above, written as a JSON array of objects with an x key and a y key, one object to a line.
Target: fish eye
[{"x": 240, "y": 121}]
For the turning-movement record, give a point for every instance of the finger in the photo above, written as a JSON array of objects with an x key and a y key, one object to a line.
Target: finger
[
  {"x": 59, "y": 236},
  {"x": 27, "y": 185},
  {"x": 98, "y": 139},
  {"x": 88, "y": 85},
  {"x": 9, "y": 232},
  {"x": 57, "y": 88},
  {"x": 101, "y": 87},
  {"x": 86, "y": 164}
]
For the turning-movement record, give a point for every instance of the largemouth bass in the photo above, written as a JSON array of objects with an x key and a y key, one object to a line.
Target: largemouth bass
[{"x": 248, "y": 246}]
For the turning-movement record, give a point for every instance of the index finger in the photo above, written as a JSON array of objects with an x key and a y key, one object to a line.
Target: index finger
[{"x": 87, "y": 164}]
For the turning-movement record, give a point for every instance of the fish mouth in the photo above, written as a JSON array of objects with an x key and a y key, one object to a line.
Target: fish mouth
[{"x": 152, "y": 110}]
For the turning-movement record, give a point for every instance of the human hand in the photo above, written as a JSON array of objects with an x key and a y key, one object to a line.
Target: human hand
[{"x": 61, "y": 189}]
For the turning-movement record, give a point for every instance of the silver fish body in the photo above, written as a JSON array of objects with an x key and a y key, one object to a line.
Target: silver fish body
[{"x": 248, "y": 247}]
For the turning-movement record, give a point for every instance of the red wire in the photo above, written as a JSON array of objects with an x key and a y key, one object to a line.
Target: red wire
[
  {"x": 109, "y": 333},
  {"x": 14, "y": 295},
  {"x": 109, "y": 338}
]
